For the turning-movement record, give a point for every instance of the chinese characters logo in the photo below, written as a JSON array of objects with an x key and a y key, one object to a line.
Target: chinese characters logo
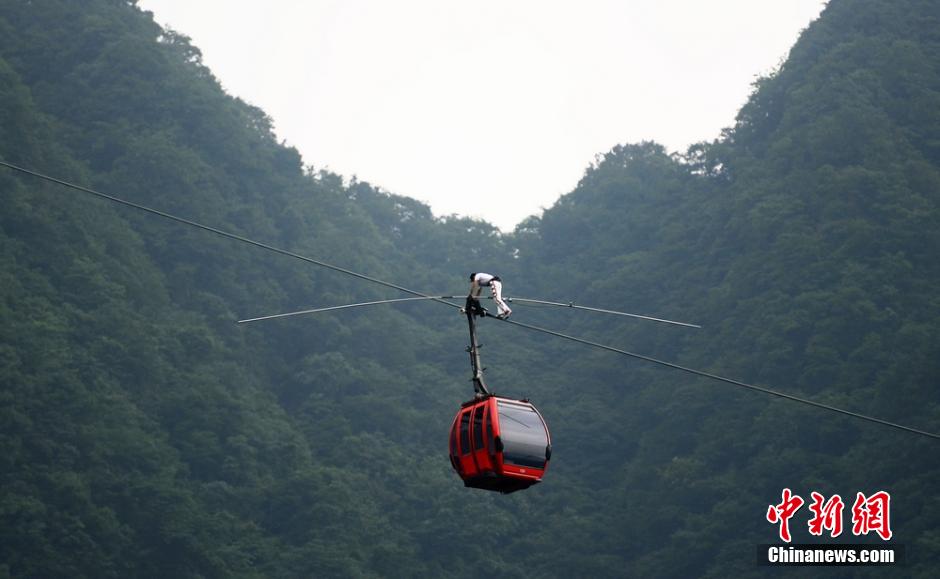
[{"x": 871, "y": 514}]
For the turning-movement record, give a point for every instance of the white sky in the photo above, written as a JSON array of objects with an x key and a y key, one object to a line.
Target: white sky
[{"x": 491, "y": 108}]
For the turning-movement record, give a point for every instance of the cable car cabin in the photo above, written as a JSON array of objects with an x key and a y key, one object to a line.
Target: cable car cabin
[{"x": 499, "y": 444}]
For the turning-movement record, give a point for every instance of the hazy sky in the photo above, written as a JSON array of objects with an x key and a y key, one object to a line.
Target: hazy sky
[{"x": 490, "y": 108}]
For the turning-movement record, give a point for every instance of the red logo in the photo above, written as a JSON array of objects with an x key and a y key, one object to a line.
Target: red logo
[
  {"x": 826, "y": 516},
  {"x": 872, "y": 514},
  {"x": 783, "y": 512},
  {"x": 869, "y": 514}
]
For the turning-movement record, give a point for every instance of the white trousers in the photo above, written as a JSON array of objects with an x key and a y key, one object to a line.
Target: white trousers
[{"x": 496, "y": 287}]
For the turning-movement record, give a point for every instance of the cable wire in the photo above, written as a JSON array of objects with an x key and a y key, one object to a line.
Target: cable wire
[
  {"x": 601, "y": 310},
  {"x": 344, "y": 307},
  {"x": 274, "y": 249},
  {"x": 721, "y": 378},
  {"x": 220, "y": 232}
]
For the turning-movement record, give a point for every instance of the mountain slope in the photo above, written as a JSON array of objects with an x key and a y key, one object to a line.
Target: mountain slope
[
  {"x": 804, "y": 240},
  {"x": 145, "y": 434}
]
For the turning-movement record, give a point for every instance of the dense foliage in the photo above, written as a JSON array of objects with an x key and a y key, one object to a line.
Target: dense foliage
[{"x": 143, "y": 433}]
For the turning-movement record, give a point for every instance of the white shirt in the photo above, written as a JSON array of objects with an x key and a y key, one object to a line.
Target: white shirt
[{"x": 483, "y": 279}]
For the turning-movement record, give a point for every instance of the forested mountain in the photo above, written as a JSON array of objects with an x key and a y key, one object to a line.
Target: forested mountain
[{"x": 144, "y": 433}]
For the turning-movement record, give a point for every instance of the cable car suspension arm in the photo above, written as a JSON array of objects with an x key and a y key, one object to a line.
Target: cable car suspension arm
[{"x": 472, "y": 309}]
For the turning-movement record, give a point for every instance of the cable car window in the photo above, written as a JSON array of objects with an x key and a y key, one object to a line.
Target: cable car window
[
  {"x": 490, "y": 443},
  {"x": 523, "y": 435},
  {"x": 478, "y": 428},
  {"x": 465, "y": 433},
  {"x": 453, "y": 442}
]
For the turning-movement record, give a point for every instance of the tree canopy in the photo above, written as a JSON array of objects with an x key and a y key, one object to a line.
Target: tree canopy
[{"x": 143, "y": 433}]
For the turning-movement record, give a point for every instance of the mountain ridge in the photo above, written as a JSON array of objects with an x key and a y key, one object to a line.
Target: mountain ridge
[{"x": 144, "y": 434}]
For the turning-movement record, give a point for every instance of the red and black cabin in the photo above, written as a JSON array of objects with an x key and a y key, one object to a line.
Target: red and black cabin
[{"x": 499, "y": 444}]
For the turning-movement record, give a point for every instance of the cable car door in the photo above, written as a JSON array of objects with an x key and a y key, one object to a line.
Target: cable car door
[
  {"x": 465, "y": 450},
  {"x": 481, "y": 435}
]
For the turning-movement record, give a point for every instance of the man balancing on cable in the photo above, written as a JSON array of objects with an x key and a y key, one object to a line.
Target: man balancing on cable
[{"x": 480, "y": 280}]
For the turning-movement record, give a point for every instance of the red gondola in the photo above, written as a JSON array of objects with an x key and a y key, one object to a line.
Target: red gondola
[
  {"x": 499, "y": 444},
  {"x": 496, "y": 443}
]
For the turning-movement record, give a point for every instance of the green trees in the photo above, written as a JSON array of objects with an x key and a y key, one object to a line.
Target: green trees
[
  {"x": 784, "y": 240},
  {"x": 143, "y": 433}
]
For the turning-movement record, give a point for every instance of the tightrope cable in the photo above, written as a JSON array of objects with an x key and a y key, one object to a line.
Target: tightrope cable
[
  {"x": 722, "y": 378},
  {"x": 220, "y": 232},
  {"x": 440, "y": 299},
  {"x": 601, "y": 310},
  {"x": 344, "y": 307}
]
